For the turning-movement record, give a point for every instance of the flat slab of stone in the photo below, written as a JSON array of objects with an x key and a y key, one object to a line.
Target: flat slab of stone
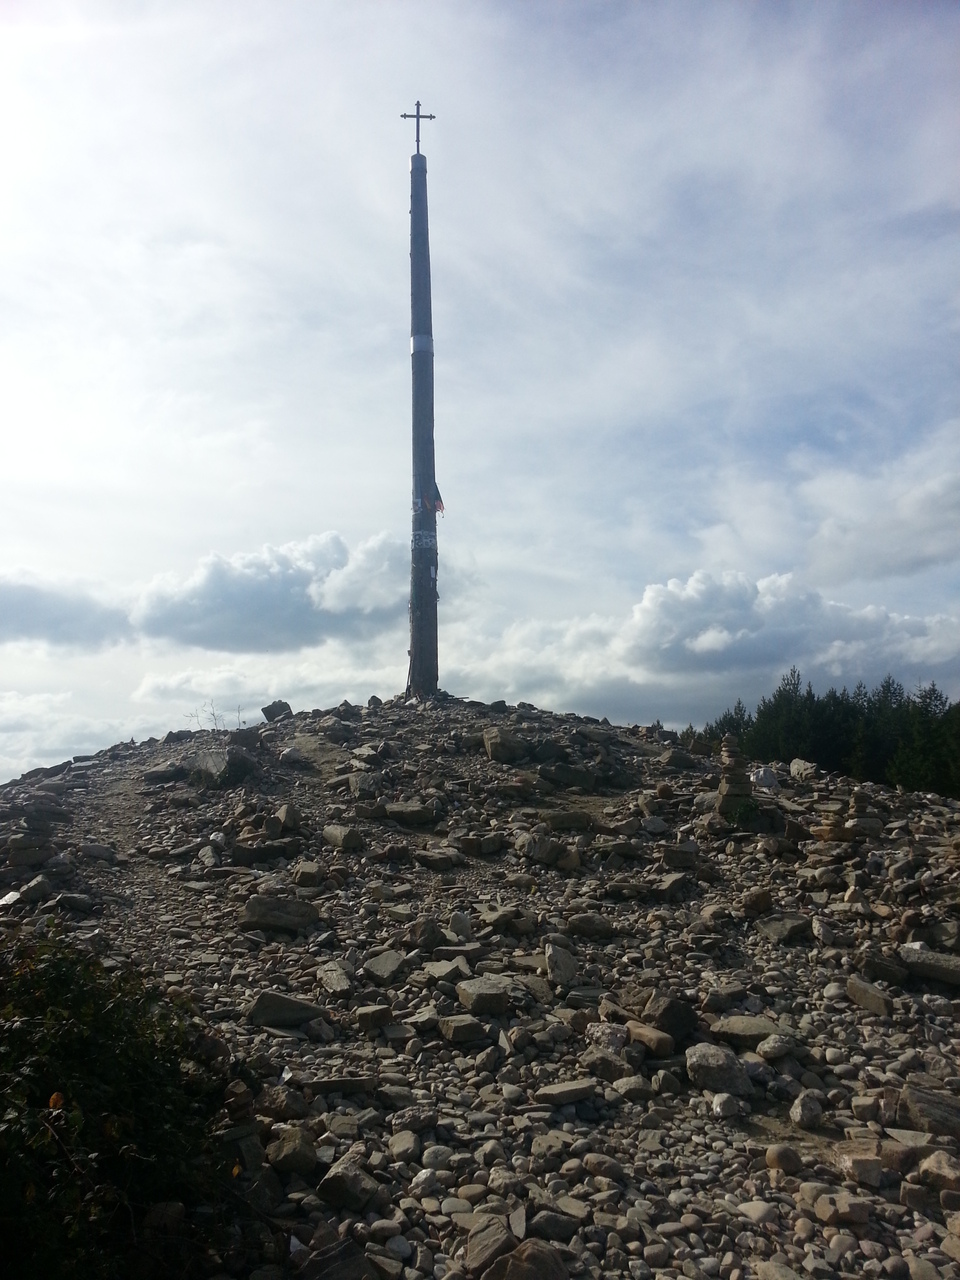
[
  {"x": 384, "y": 969},
  {"x": 659, "y": 1043},
  {"x": 344, "y": 1085},
  {"x": 744, "y": 1031},
  {"x": 487, "y": 1241},
  {"x": 287, "y": 915},
  {"x": 438, "y": 859},
  {"x": 568, "y": 820},
  {"x": 484, "y": 995},
  {"x": 869, "y": 996},
  {"x": 470, "y": 951},
  {"x": 928, "y": 1110},
  {"x": 164, "y": 774},
  {"x": 786, "y": 929},
  {"x": 371, "y": 1017},
  {"x": 334, "y": 980},
  {"x": 933, "y": 965},
  {"x": 410, "y": 814},
  {"x": 566, "y": 1092},
  {"x": 461, "y": 1028},
  {"x": 274, "y": 1009}
]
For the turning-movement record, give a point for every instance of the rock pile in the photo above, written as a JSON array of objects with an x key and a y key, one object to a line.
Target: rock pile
[
  {"x": 735, "y": 787},
  {"x": 513, "y": 1000}
]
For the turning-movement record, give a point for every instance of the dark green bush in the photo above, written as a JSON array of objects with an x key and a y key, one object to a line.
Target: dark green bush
[{"x": 97, "y": 1119}]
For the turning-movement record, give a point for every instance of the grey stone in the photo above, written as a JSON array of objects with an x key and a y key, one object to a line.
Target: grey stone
[
  {"x": 486, "y": 1242},
  {"x": 385, "y": 969},
  {"x": 461, "y": 1028},
  {"x": 929, "y": 1110},
  {"x": 286, "y": 915},
  {"x": 804, "y": 770},
  {"x": 276, "y": 710},
  {"x": 561, "y": 965},
  {"x": 744, "y": 1031},
  {"x": 780, "y": 1155},
  {"x": 590, "y": 924},
  {"x": 293, "y": 1152},
  {"x": 717, "y": 1068},
  {"x": 678, "y": 1018},
  {"x": 411, "y": 814},
  {"x": 38, "y": 890},
  {"x": 340, "y": 836},
  {"x": 806, "y": 1111},
  {"x": 869, "y": 997},
  {"x": 531, "y": 1260},
  {"x": 347, "y": 1186},
  {"x": 567, "y": 1091},
  {"x": 787, "y": 929},
  {"x": 273, "y": 1009},
  {"x": 484, "y": 995},
  {"x": 934, "y": 965},
  {"x": 548, "y": 1225},
  {"x": 503, "y": 747},
  {"x": 334, "y": 980}
]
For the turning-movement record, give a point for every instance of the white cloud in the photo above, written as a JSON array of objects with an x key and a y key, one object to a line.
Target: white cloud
[
  {"x": 895, "y": 519},
  {"x": 696, "y": 642},
  {"x": 280, "y": 598},
  {"x": 42, "y": 611},
  {"x": 695, "y": 316}
]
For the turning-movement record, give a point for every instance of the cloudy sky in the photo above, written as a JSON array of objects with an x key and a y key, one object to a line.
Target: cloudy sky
[{"x": 695, "y": 275}]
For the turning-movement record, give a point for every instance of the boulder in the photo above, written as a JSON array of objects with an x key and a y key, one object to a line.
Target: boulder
[
  {"x": 285, "y": 915},
  {"x": 717, "y": 1068},
  {"x": 869, "y": 997},
  {"x": 384, "y": 969},
  {"x": 561, "y": 966},
  {"x": 341, "y": 836},
  {"x": 744, "y": 1031},
  {"x": 293, "y": 1152},
  {"x": 566, "y": 1092},
  {"x": 274, "y": 1009},
  {"x": 347, "y": 1186},
  {"x": 484, "y": 995},
  {"x": 503, "y": 747},
  {"x": 532, "y": 1260},
  {"x": 487, "y": 1241},
  {"x": 590, "y": 924},
  {"x": 929, "y": 1110},
  {"x": 678, "y": 1018}
]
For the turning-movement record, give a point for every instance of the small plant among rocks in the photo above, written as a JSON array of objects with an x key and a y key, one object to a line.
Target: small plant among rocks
[{"x": 103, "y": 1136}]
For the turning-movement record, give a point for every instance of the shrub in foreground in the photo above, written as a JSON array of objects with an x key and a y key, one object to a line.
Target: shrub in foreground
[{"x": 98, "y": 1121}]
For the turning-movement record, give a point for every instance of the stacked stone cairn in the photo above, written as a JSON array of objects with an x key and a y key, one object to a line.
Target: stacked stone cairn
[
  {"x": 862, "y": 818},
  {"x": 735, "y": 786}
]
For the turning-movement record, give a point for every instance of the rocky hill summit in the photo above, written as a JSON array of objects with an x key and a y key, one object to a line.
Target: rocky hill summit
[{"x": 520, "y": 995}]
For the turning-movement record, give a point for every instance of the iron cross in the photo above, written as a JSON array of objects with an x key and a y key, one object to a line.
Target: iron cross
[{"x": 409, "y": 115}]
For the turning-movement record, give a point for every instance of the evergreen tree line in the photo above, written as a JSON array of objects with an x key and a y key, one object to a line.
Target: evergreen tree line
[{"x": 882, "y": 735}]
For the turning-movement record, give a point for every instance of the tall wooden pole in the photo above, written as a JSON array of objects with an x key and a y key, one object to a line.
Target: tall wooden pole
[{"x": 423, "y": 673}]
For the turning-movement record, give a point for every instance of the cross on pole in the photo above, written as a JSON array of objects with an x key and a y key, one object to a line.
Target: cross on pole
[{"x": 418, "y": 116}]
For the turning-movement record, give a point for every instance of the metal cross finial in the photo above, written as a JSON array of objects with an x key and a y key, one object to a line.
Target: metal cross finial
[{"x": 409, "y": 115}]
